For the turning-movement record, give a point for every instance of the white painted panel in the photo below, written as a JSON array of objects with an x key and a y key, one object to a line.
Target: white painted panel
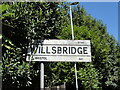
[{"x": 60, "y": 50}]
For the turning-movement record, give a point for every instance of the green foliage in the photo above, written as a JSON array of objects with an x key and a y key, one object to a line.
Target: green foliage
[
  {"x": 23, "y": 22},
  {"x": 28, "y": 21},
  {"x": 59, "y": 73},
  {"x": 3, "y": 8},
  {"x": 89, "y": 77},
  {"x": 87, "y": 74},
  {"x": 102, "y": 73},
  {"x": 15, "y": 69}
]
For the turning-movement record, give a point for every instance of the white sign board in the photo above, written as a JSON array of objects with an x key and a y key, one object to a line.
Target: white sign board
[{"x": 60, "y": 50}]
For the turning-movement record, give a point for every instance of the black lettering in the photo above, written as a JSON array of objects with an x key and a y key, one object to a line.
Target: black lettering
[
  {"x": 73, "y": 50},
  {"x": 85, "y": 50},
  {"x": 36, "y": 58},
  {"x": 42, "y": 51},
  {"x": 65, "y": 50},
  {"x": 79, "y": 50},
  {"x": 59, "y": 50},
  {"x": 39, "y": 49},
  {"x": 69, "y": 50},
  {"x": 41, "y": 58},
  {"x": 44, "y": 58},
  {"x": 47, "y": 50},
  {"x": 54, "y": 50}
]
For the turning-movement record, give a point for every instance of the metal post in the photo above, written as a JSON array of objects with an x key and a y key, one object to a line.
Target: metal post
[
  {"x": 71, "y": 22},
  {"x": 41, "y": 76},
  {"x": 76, "y": 77},
  {"x": 73, "y": 39}
]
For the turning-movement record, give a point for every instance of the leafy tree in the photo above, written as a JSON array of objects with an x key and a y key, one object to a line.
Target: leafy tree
[
  {"x": 23, "y": 23},
  {"x": 102, "y": 72}
]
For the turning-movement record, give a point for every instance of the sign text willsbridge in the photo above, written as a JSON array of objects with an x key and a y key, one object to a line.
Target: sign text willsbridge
[{"x": 60, "y": 50}]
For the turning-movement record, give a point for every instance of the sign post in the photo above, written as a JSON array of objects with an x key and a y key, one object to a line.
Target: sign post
[
  {"x": 73, "y": 39},
  {"x": 59, "y": 51},
  {"x": 41, "y": 76}
]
